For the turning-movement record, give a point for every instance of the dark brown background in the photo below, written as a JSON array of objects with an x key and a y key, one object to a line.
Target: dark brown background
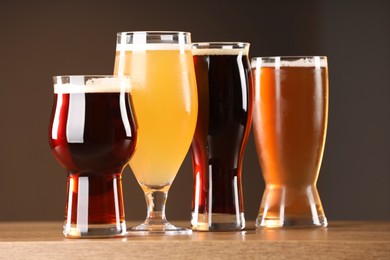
[{"x": 39, "y": 39}]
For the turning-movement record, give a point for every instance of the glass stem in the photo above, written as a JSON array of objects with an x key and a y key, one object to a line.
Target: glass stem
[{"x": 155, "y": 201}]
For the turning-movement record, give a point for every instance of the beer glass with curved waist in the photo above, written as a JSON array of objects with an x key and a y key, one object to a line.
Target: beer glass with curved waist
[
  {"x": 92, "y": 134},
  {"x": 290, "y": 121},
  {"x": 225, "y": 113},
  {"x": 165, "y": 98}
]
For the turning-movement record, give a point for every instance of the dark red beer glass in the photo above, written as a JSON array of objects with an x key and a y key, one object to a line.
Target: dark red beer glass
[
  {"x": 92, "y": 134},
  {"x": 224, "y": 117}
]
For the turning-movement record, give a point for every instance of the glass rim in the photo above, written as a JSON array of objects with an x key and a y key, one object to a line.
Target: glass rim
[
  {"x": 292, "y": 57},
  {"x": 218, "y": 45},
  {"x": 70, "y": 84},
  {"x": 286, "y": 61},
  {"x": 153, "y": 33},
  {"x": 90, "y": 76},
  {"x": 220, "y": 48},
  {"x": 152, "y": 40}
]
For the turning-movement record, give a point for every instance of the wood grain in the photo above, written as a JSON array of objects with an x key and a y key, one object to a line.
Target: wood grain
[{"x": 341, "y": 240}]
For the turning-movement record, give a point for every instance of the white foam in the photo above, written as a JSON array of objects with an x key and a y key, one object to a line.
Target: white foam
[
  {"x": 95, "y": 85},
  {"x": 227, "y": 50},
  {"x": 152, "y": 47},
  {"x": 277, "y": 62}
]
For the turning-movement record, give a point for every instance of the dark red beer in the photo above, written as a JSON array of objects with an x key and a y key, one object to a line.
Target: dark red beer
[
  {"x": 224, "y": 116},
  {"x": 93, "y": 135}
]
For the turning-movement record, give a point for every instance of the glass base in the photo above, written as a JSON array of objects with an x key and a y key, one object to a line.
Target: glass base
[
  {"x": 163, "y": 229},
  {"x": 284, "y": 206},
  {"x": 262, "y": 222},
  {"x": 94, "y": 230},
  {"x": 217, "y": 222}
]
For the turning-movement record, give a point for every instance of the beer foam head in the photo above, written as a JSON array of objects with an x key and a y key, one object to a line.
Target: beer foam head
[
  {"x": 77, "y": 84},
  {"x": 277, "y": 62},
  {"x": 152, "y": 47},
  {"x": 220, "y": 48},
  {"x": 153, "y": 40}
]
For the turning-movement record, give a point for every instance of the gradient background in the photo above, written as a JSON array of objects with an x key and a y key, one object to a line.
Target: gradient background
[{"x": 39, "y": 39}]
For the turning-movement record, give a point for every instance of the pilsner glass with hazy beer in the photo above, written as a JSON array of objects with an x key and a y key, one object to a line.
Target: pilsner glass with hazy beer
[
  {"x": 92, "y": 134},
  {"x": 165, "y": 98},
  {"x": 290, "y": 121},
  {"x": 224, "y": 119}
]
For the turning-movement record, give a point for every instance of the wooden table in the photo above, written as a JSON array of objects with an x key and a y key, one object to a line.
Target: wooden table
[{"x": 342, "y": 239}]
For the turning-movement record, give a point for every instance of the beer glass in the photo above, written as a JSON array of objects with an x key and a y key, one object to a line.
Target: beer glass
[
  {"x": 225, "y": 113},
  {"x": 165, "y": 98},
  {"x": 290, "y": 121},
  {"x": 92, "y": 134}
]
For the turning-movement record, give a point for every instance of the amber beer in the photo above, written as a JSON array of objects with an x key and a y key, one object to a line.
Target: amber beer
[
  {"x": 290, "y": 122},
  {"x": 92, "y": 134},
  {"x": 224, "y": 118}
]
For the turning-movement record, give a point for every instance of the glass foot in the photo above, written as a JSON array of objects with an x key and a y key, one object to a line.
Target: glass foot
[
  {"x": 156, "y": 222},
  {"x": 217, "y": 222},
  {"x": 284, "y": 206},
  {"x": 263, "y": 222},
  {"x": 164, "y": 229},
  {"x": 94, "y": 230}
]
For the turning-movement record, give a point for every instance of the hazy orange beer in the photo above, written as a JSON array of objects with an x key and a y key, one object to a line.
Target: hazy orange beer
[
  {"x": 290, "y": 122},
  {"x": 164, "y": 92}
]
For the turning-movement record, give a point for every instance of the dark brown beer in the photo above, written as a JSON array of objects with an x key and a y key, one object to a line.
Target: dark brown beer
[
  {"x": 93, "y": 135},
  {"x": 224, "y": 116}
]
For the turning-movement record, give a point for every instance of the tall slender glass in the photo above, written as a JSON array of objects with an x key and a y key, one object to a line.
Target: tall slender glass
[
  {"x": 290, "y": 121},
  {"x": 92, "y": 134},
  {"x": 165, "y": 98},
  {"x": 225, "y": 115}
]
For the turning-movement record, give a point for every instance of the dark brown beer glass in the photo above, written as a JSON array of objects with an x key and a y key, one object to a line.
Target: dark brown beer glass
[
  {"x": 290, "y": 121},
  {"x": 92, "y": 134},
  {"x": 224, "y": 118}
]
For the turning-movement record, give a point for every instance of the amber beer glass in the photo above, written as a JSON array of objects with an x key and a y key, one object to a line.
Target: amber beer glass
[
  {"x": 165, "y": 98},
  {"x": 290, "y": 121},
  {"x": 92, "y": 134},
  {"x": 224, "y": 119}
]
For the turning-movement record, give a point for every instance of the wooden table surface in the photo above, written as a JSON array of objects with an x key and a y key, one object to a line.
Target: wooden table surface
[{"x": 341, "y": 240}]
